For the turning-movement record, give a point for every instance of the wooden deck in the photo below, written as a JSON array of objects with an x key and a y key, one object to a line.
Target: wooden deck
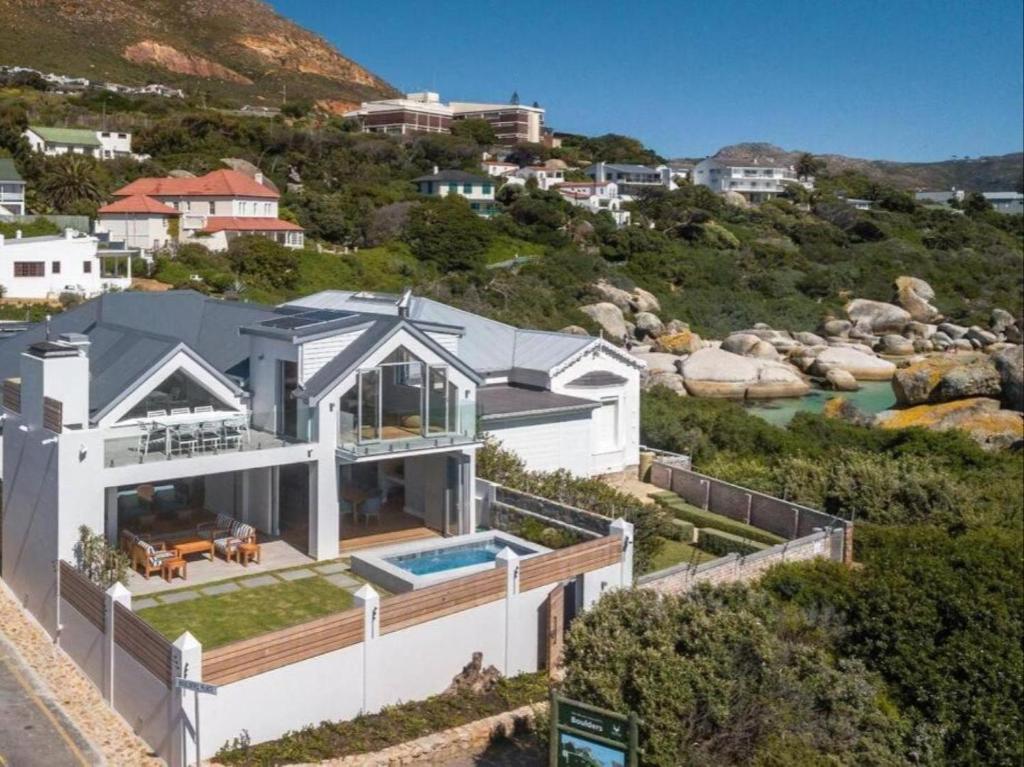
[{"x": 393, "y": 527}]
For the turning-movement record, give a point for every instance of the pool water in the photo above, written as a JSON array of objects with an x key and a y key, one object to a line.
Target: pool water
[
  {"x": 452, "y": 557},
  {"x": 873, "y": 397}
]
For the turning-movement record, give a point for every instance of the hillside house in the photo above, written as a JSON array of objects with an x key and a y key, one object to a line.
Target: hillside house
[
  {"x": 756, "y": 180},
  {"x": 152, "y": 213},
  {"x": 631, "y": 178},
  {"x": 12, "y": 189},
  {"x": 597, "y": 197},
  {"x": 103, "y": 144},
  {"x": 478, "y": 190},
  {"x": 416, "y": 113},
  {"x": 45, "y": 267}
]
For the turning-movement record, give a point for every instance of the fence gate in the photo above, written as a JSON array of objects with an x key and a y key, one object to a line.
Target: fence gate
[{"x": 556, "y": 629}]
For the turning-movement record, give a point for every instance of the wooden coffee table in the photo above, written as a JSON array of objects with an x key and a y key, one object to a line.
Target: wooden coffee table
[
  {"x": 199, "y": 546},
  {"x": 175, "y": 565},
  {"x": 248, "y": 552}
]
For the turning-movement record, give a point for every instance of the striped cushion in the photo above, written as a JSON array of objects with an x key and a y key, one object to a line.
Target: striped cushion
[
  {"x": 243, "y": 531},
  {"x": 224, "y": 521},
  {"x": 155, "y": 557},
  {"x": 224, "y": 545}
]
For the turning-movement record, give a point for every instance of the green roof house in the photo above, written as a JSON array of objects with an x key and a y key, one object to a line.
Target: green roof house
[
  {"x": 12, "y": 189},
  {"x": 55, "y": 141}
]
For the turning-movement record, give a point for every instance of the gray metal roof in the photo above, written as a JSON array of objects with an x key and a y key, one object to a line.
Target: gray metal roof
[
  {"x": 624, "y": 168},
  {"x": 596, "y": 378},
  {"x": 7, "y": 170},
  {"x": 497, "y": 402},
  {"x": 487, "y": 345},
  {"x": 130, "y": 332}
]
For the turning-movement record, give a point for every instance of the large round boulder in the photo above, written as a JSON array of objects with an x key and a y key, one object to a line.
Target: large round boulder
[
  {"x": 777, "y": 379},
  {"x": 682, "y": 342},
  {"x": 946, "y": 378},
  {"x": 613, "y": 295},
  {"x": 914, "y": 294},
  {"x": 841, "y": 380},
  {"x": 876, "y": 316},
  {"x": 740, "y": 343},
  {"x": 980, "y": 417},
  {"x": 980, "y": 338},
  {"x": 895, "y": 345},
  {"x": 809, "y": 339},
  {"x": 644, "y": 301},
  {"x": 671, "y": 381},
  {"x": 609, "y": 317},
  {"x": 719, "y": 373},
  {"x": 862, "y": 366},
  {"x": 648, "y": 325},
  {"x": 955, "y": 332},
  {"x": 659, "y": 363},
  {"x": 835, "y": 328},
  {"x": 574, "y": 330},
  {"x": 1001, "y": 320},
  {"x": 1010, "y": 364}
]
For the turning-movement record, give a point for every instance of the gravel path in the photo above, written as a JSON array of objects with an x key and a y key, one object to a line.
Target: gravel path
[{"x": 70, "y": 690}]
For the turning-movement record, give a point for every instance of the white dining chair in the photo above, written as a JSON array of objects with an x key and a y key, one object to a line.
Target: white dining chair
[
  {"x": 155, "y": 413},
  {"x": 180, "y": 411},
  {"x": 203, "y": 409}
]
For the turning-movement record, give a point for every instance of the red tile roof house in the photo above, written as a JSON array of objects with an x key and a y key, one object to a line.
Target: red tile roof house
[{"x": 153, "y": 213}]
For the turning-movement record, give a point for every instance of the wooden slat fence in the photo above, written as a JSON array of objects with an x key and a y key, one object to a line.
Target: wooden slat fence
[
  {"x": 414, "y": 607},
  {"x": 53, "y": 414},
  {"x": 569, "y": 562},
  {"x": 249, "y": 657},
  {"x": 84, "y": 595},
  {"x": 142, "y": 642},
  {"x": 12, "y": 395}
]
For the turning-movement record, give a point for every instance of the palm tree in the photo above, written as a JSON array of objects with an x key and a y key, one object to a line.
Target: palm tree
[{"x": 69, "y": 179}]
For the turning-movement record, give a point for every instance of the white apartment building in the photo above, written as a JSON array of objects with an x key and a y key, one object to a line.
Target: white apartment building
[
  {"x": 103, "y": 145},
  {"x": 45, "y": 267},
  {"x": 416, "y": 113},
  {"x": 545, "y": 175},
  {"x": 152, "y": 213},
  {"x": 757, "y": 181},
  {"x": 513, "y": 123},
  {"x": 631, "y": 178},
  {"x": 597, "y": 197}
]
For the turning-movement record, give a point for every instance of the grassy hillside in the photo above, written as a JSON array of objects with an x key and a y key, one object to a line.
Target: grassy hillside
[{"x": 236, "y": 51}]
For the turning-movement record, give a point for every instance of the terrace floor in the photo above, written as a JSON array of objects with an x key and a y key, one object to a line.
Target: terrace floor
[
  {"x": 394, "y": 526},
  {"x": 275, "y": 555},
  {"x": 123, "y": 451}
]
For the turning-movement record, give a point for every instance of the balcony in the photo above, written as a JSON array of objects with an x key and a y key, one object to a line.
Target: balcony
[
  {"x": 173, "y": 436},
  {"x": 401, "y": 407}
]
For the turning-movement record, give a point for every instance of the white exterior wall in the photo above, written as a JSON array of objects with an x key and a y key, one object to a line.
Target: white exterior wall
[
  {"x": 54, "y": 149},
  {"x": 114, "y": 144},
  {"x": 547, "y": 443},
  {"x": 627, "y": 452},
  {"x": 315, "y": 354},
  {"x": 477, "y": 193},
  {"x": 137, "y": 230},
  {"x": 72, "y": 252}
]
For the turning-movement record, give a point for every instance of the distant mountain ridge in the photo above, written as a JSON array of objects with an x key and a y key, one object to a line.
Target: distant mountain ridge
[
  {"x": 239, "y": 50},
  {"x": 999, "y": 173}
]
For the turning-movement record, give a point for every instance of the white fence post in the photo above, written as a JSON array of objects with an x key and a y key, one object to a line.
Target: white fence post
[
  {"x": 369, "y": 600},
  {"x": 620, "y": 528},
  {"x": 116, "y": 594},
  {"x": 187, "y": 663},
  {"x": 510, "y": 561}
]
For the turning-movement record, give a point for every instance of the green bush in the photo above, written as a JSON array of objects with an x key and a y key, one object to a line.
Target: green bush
[
  {"x": 707, "y": 519},
  {"x": 722, "y": 543},
  {"x": 682, "y": 531}
]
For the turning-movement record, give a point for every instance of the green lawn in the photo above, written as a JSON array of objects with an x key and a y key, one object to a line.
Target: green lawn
[
  {"x": 676, "y": 553},
  {"x": 225, "y": 618},
  {"x": 505, "y": 248}
]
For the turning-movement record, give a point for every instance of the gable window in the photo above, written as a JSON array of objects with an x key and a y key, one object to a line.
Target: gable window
[{"x": 178, "y": 390}]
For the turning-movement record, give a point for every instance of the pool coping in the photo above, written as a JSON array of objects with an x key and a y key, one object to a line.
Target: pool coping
[{"x": 372, "y": 564}]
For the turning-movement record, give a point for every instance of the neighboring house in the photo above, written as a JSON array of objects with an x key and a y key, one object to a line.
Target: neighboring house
[
  {"x": 103, "y": 145},
  {"x": 1006, "y": 202},
  {"x": 632, "y": 179},
  {"x": 479, "y": 190},
  {"x": 941, "y": 197},
  {"x": 597, "y": 197},
  {"x": 545, "y": 175},
  {"x": 512, "y": 123},
  {"x": 45, "y": 267},
  {"x": 416, "y": 113},
  {"x": 12, "y": 189},
  {"x": 560, "y": 401},
  {"x": 151, "y": 213},
  {"x": 756, "y": 181},
  {"x": 498, "y": 168}
]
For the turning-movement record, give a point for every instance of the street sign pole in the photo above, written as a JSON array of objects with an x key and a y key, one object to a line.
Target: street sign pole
[{"x": 197, "y": 688}]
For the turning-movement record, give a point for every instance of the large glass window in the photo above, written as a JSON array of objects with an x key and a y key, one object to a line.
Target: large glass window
[
  {"x": 178, "y": 390},
  {"x": 437, "y": 401},
  {"x": 369, "y": 404}
]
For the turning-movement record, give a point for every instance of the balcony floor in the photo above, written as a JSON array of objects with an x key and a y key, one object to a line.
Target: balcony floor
[{"x": 123, "y": 451}]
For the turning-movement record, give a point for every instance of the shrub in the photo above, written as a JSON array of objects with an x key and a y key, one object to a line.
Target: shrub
[
  {"x": 101, "y": 563},
  {"x": 707, "y": 519},
  {"x": 722, "y": 543}
]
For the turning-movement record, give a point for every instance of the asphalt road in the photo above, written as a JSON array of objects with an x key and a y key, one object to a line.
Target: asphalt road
[{"x": 34, "y": 732}]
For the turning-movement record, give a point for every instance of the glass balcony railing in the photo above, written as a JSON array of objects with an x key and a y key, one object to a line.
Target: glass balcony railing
[
  {"x": 181, "y": 436},
  {"x": 396, "y": 433}
]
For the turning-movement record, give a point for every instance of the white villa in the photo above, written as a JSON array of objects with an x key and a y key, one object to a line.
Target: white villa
[
  {"x": 597, "y": 197},
  {"x": 12, "y": 189},
  {"x": 757, "y": 181},
  {"x": 632, "y": 178},
  {"x": 101, "y": 144},
  {"x": 478, "y": 190},
  {"x": 47, "y": 266},
  {"x": 153, "y": 213}
]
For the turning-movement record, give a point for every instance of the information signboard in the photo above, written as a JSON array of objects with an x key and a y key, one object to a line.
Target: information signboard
[{"x": 588, "y": 736}]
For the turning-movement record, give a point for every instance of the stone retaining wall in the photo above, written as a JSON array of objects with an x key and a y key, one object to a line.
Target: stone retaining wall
[
  {"x": 508, "y": 518},
  {"x": 440, "y": 748}
]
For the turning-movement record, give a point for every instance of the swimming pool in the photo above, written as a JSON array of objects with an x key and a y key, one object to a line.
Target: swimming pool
[{"x": 424, "y": 563}]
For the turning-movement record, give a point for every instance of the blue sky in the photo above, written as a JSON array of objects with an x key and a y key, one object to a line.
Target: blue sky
[{"x": 895, "y": 79}]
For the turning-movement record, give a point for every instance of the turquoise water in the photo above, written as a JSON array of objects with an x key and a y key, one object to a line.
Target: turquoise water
[
  {"x": 452, "y": 557},
  {"x": 873, "y": 397}
]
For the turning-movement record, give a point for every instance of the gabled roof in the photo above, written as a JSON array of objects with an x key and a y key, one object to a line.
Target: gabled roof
[
  {"x": 66, "y": 135},
  {"x": 624, "y": 168},
  {"x": 249, "y": 224},
  {"x": 218, "y": 183},
  {"x": 457, "y": 176},
  {"x": 7, "y": 170},
  {"x": 139, "y": 203},
  {"x": 379, "y": 331}
]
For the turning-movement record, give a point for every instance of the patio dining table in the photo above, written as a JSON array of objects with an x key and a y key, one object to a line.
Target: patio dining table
[{"x": 171, "y": 422}]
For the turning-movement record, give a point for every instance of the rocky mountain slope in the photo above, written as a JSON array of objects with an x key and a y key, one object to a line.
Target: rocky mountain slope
[
  {"x": 240, "y": 51},
  {"x": 988, "y": 174}
]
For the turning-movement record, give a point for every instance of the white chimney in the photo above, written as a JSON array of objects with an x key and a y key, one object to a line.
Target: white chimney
[
  {"x": 69, "y": 233},
  {"x": 258, "y": 177},
  {"x": 17, "y": 234},
  {"x": 436, "y": 170},
  {"x": 58, "y": 370}
]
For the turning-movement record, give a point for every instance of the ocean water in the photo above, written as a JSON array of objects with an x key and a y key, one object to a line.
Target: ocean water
[{"x": 873, "y": 397}]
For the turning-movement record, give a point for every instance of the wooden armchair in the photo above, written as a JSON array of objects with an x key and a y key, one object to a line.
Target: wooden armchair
[{"x": 148, "y": 558}]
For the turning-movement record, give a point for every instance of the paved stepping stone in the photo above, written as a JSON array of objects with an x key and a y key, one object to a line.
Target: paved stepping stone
[
  {"x": 221, "y": 588},
  {"x": 142, "y": 604},
  {"x": 181, "y": 596},
  {"x": 297, "y": 575},
  {"x": 259, "y": 580},
  {"x": 342, "y": 581},
  {"x": 335, "y": 567}
]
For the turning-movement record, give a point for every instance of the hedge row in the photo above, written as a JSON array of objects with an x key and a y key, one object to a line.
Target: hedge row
[
  {"x": 721, "y": 543},
  {"x": 700, "y": 518},
  {"x": 682, "y": 531}
]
